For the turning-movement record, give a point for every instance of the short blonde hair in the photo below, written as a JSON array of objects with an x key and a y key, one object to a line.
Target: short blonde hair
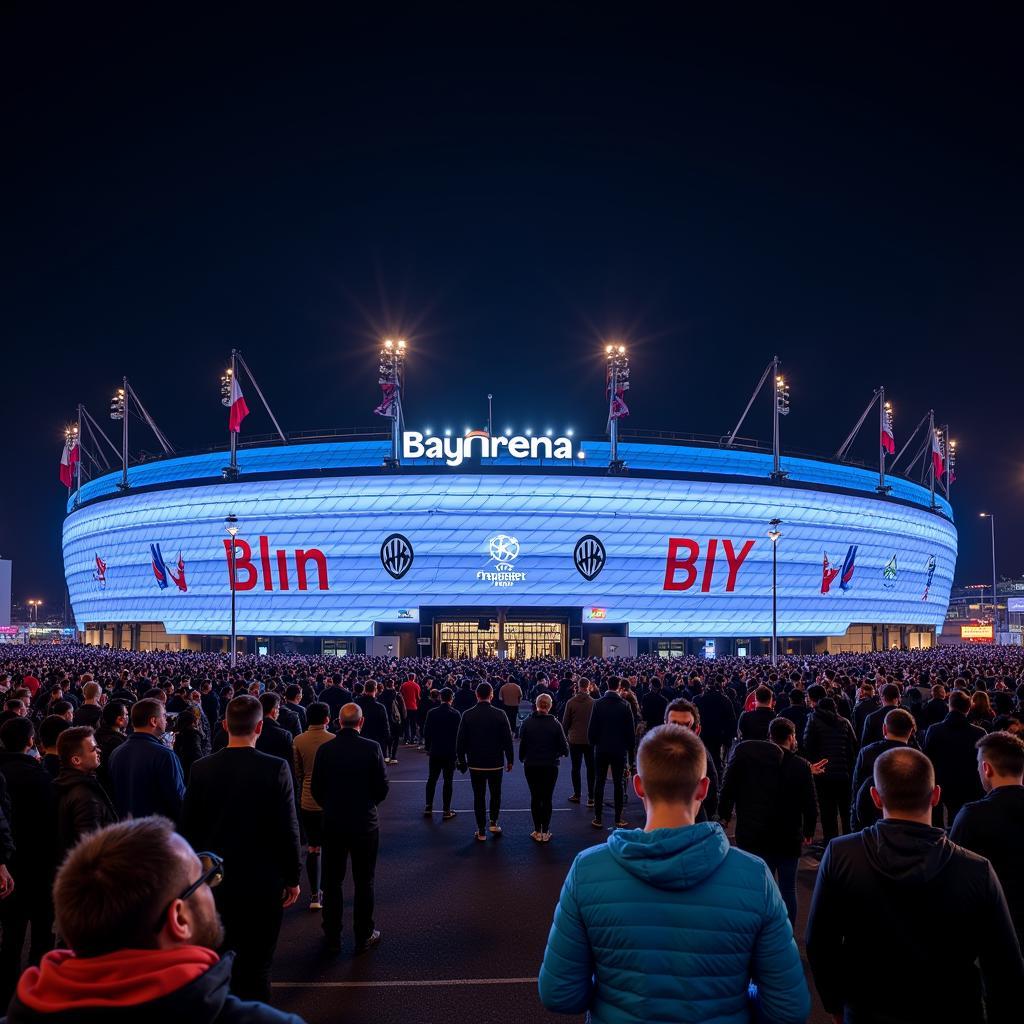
[
  {"x": 544, "y": 701},
  {"x": 671, "y": 762}
]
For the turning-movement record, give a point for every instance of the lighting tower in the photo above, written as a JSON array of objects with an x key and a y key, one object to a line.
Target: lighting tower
[
  {"x": 616, "y": 384},
  {"x": 119, "y": 411},
  {"x": 391, "y": 371},
  {"x": 780, "y": 407}
]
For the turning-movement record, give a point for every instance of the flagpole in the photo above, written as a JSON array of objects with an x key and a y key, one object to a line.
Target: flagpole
[
  {"x": 883, "y": 428},
  {"x": 232, "y": 435},
  {"x": 124, "y": 435},
  {"x": 78, "y": 465},
  {"x": 945, "y": 434},
  {"x": 931, "y": 452}
]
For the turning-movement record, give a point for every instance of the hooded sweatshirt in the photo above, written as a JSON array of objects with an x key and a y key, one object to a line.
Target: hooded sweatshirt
[
  {"x": 944, "y": 905},
  {"x": 671, "y": 925},
  {"x": 158, "y": 986}
]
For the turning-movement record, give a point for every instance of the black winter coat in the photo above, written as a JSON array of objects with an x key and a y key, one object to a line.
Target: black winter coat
[
  {"x": 753, "y": 724},
  {"x": 611, "y": 729},
  {"x": 376, "y": 724},
  {"x": 907, "y": 879},
  {"x": 349, "y": 781},
  {"x": 542, "y": 741},
  {"x": 797, "y": 714},
  {"x": 82, "y": 806},
  {"x": 863, "y": 811},
  {"x": 830, "y": 735},
  {"x": 717, "y": 716},
  {"x": 441, "y": 731},
  {"x": 32, "y": 816},
  {"x": 484, "y": 739},
  {"x": 950, "y": 745}
]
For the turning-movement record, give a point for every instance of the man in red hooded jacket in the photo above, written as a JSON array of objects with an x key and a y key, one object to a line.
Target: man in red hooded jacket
[{"x": 133, "y": 902}]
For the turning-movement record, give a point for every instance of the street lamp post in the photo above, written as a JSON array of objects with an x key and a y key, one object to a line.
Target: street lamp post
[
  {"x": 773, "y": 535},
  {"x": 991, "y": 517},
  {"x": 616, "y": 384},
  {"x": 231, "y": 525}
]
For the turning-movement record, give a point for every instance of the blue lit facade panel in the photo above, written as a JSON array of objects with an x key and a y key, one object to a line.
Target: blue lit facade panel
[{"x": 880, "y": 562}]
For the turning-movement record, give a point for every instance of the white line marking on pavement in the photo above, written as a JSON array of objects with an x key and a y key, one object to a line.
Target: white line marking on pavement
[{"x": 426, "y": 982}]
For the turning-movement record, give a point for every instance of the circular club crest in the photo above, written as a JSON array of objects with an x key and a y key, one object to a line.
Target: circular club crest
[
  {"x": 503, "y": 549},
  {"x": 589, "y": 557},
  {"x": 396, "y": 555}
]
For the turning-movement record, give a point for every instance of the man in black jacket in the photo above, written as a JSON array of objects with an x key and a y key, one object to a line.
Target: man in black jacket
[
  {"x": 613, "y": 737},
  {"x": 897, "y": 730},
  {"x": 902, "y": 877},
  {"x": 135, "y": 906},
  {"x": 82, "y": 803},
  {"x": 772, "y": 790},
  {"x": 349, "y": 781},
  {"x": 867, "y": 702},
  {"x": 484, "y": 745},
  {"x": 829, "y": 737},
  {"x": 797, "y": 713},
  {"x": 240, "y": 803},
  {"x": 994, "y": 827},
  {"x": 952, "y": 746},
  {"x": 274, "y": 738},
  {"x": 376, "y": 725},
  {"x": 718, "y": 721},
  {"x": 871, "y": 730},
  {"x": 753, "y": 724},
  {"x": 440, "y": 734},
  {"x": 30, "y": 791},
  {"x": 682, "y": 712}
]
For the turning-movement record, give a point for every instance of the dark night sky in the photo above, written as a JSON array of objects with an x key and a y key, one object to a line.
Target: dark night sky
[{"x": 508, "y": 194}]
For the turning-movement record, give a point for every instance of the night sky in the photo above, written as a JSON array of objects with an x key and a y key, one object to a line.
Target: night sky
[{"x": 508, "y": 194}]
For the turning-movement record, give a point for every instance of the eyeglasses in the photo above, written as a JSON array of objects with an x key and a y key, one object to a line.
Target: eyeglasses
[{"x": 213, "y": 875}]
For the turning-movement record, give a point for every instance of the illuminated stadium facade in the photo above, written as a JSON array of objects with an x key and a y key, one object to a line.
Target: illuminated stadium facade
[{"x": 513, "y": 546}]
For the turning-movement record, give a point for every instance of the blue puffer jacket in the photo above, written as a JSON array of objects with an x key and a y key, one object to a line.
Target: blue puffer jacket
[{"x": 672, "y": 925}]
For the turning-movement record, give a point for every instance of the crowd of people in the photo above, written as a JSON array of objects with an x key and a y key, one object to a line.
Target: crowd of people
[{"x": 159, "y": 809}]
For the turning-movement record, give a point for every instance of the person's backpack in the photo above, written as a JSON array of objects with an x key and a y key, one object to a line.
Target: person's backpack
[{"x": 398, "y": 710}]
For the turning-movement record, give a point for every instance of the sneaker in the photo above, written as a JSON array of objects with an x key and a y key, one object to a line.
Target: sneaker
[
  {"x": 494, "y": 828},
  {"x": 428, "y": 811},
  {"x": 622, "y": 824},
  {"x": 316, "y": 901},
  {"x": 596, "y": 824},
  {"x": 546, "y": 838},
  {"x": 447, "y": 815},
  {"x": 590, "y": 802},
  {"x": 481, "y": 837},
  {"x": 372, "y": 941},
  {"x": 575, "y": 798},
  {"x": 537, "y": 837}
]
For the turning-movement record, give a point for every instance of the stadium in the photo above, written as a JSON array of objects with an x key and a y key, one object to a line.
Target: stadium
[{"x": 512, "y": 547}]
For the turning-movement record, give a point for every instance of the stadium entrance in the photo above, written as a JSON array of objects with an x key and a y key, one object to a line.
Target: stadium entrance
[{"x": 484, "y": 637}]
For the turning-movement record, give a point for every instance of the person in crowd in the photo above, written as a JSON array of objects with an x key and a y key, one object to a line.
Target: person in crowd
[
  {"x": 135, "y": 907},
  {"x": 541, "y": 744},
  {"x": 718, "y": 721},
  {"x": 82, "y": 803},
  {"x": 240, "y": 801},
  {"x": 210, "y": 703},
  {"x": 188, "y": 740},
  {"x": 652, "y": 707},
  {"x": 797, "y": 711},
  {"x": 898, "y": 727},
  {"x": 50, "y": 729},
  {"x": 981, "y": 713},
  {"x": 335, "y": 696},
  {"x": 830, "y": 738},
  {"x": 937, "y": 706},
  {"x": 576, "y": 725},
  {"x": 14, "y": 707},
  {"x": 772, "y": 792},
  {"x": 410, "y": 691},
  {"x": 630, "y": 940},
  {"x": 109, "y": 736},
  {"x": 753, "y": 724},
  {"x": 952, "y": 747},
  {"x": 440, "y": 737},
  {"x": 292, "y": 714},
  {"x": 871, "y": 731},
  {"x": 274, "y": 738},
  {"x": 484, "y": 746},
  {"x": 612, "y": 734},
  {"x": 397, "y": 714},
  {"x": 376, "y": 725},
  {"x": 686, "y": 714},
  {"x": 511, "y": 696},
  {"x": 146, "y": 774},
  {"x": 994, "y": 827},
  {"x": 902, "y": 877},
  {"x": 310, "y": 812},
  {"x": 90, "y": 711},
  {"x": 868, "y": 701},
  {"x": 30, "y": 794},
  {"x": 349, "y": 781}
]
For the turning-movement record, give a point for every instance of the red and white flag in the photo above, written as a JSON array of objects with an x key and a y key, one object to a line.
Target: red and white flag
[
  {"x": 937, "y": 461},
  {"x": 389, "y": 400},
  {"x": 888, "y": 437},
  {"x": 68, "y": 461},
  {"x": 239, "y": 410}
]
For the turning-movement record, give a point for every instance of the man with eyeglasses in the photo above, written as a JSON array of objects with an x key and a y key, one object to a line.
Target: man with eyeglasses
[{"x": 135, "y": 907}]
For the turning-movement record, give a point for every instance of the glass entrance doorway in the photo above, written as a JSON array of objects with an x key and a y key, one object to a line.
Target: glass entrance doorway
[{"x": 523, "y": 639}]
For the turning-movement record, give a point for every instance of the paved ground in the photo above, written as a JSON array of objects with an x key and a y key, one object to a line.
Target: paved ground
[{"x": 464, "y": 923}]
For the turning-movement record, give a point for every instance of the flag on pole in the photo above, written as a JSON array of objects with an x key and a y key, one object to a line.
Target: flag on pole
[
  {"x": 239, "y": 410},
  {"x": 68, "y": 461},
  {"x": 888, "y": 437},
  {"x": 389, "y": 401},
  {"x": 937, "y": 460}
]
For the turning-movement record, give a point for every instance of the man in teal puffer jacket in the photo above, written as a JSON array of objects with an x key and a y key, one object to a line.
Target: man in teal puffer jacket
[{"x": 669, "y": 923}]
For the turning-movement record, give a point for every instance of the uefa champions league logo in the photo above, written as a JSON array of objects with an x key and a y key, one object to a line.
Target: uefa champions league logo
[{"x": 503, "y": 551}]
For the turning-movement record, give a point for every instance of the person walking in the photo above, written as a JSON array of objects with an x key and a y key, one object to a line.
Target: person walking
[
  {"x": 541, "y": 744},
  {"x": 511, "y": 696},
  {"x": 241, "y": 802},
  {"x": 612, "y": 734},
  {"x": 304, "y": 752},
  {"x": 753, "y": 724},
  {"x": 440, "y": 737},
  {"x": 376, "y": 723},
  {"x": 395, "y": 708},
  {"x": 82, "y": 803},
  {"x": 994, "y": 826},
  {"x": 576, "y": 725},
  {"x": 349, "y": 781},
  {"x": 952, "y": 747},
  {"x": 897, "y": 728},
  {"x": 484, "y": 746},
  {"x": 772, "y": 791},
  {"x": 410, "y": 691},
  {"x": 146, "y": 774},
  {"x": 871, "y": 731},
  {"x": 631, "y": 942},
  {"x": 829, "y": 737},
  {"x": 719, "y": 721},
  {"x": 903, "y": 877}
]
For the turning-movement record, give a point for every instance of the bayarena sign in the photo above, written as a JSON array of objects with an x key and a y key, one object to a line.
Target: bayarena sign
[{"x": 332, "y": 543}]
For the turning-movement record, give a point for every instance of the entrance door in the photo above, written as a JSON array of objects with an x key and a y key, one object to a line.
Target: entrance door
[{"x": 525, "y": 639}]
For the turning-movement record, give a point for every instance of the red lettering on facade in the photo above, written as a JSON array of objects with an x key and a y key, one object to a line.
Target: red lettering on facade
[
  {"x": 316, "y": 555},
  {"x": 735, "y": 561},
  {"x": 247, "y": 572},
  {"x": 673, "y": 563},
  {"x": 282, "y": 569},
  {"x": 243, "y": 563},
  {"x": 709, "y": 566}
]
